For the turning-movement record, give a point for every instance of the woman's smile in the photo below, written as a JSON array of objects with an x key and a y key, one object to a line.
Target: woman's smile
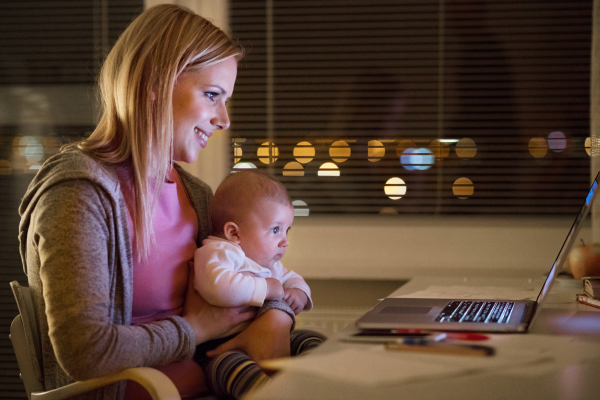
[
  {"x": 199, "y": 107},
  {"x": 202, "y": 137}
]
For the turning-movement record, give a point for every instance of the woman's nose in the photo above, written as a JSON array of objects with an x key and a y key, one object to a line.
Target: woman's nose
[{"x": 221, "y": 120}]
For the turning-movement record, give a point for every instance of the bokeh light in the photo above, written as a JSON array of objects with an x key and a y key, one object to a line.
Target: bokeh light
[
  {"x": 339, "y": 151},
  {"x": 395, "y": 188},
  {"x": 243, "y": 165},
  {"x": 463, "y": 188},
  {"x": 293, "y": 168},
  {"x": 376, "y": 150},
  {"x": 557, "y": 141},
  {"x": 5, "y": 167},
  {"x": 29, "y": 147},
  {"x": 237, "y": 153},
  {"x": 466, "y": 148},
  {"x": 417, "y": 159},
  {"x": 588, "y": 146},
  {"x": 304, "y": 152},
  {"x": 538, "y": 147},
  {"x": 328, "y": 169},
  {"x": 300, "y": 208},
  {"x": 267, "y": 153}
]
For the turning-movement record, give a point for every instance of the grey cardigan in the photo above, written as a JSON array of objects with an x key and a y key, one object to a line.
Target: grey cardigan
[{"x": 77, "y": 254}]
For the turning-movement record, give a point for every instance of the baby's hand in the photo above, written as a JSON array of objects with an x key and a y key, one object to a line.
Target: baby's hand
[
  {"x": 296, "y": 299},
  {"x": 274, "y": 289}
]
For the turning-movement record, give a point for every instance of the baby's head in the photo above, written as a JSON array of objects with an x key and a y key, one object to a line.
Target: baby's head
[{"x": 255, "y": 211}]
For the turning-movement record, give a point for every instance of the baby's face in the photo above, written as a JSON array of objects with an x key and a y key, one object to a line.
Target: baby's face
[{"x": 263, "y": 233}]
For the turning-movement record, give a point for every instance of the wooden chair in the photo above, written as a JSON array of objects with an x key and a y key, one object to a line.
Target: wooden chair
[{"x": 26, "y": 344}]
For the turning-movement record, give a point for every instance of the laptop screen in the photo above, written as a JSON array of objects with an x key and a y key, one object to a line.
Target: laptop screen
[{"x": 568, "y": 243}]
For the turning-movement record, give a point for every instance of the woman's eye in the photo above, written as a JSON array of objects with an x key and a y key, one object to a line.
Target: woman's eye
[
  {"x": 211, "y": 95},
  {"x": 276, "y": 230}
]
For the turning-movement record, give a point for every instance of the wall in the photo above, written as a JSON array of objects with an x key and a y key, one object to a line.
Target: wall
[{"x": 405, "y": 246}]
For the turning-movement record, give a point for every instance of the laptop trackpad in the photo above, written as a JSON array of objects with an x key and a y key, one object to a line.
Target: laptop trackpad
[{"x": 405, "y": 310}]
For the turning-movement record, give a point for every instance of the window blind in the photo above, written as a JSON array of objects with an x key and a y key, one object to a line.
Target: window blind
[
  {"x": 50, "y": 53},
  {"x": 429, "y": 106}
]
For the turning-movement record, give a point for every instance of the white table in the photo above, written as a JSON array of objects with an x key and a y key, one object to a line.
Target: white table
[{"x": 576, "y": 376}]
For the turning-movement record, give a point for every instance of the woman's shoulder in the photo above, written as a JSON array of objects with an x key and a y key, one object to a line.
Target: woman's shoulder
[{"x": 73, "y": 164}]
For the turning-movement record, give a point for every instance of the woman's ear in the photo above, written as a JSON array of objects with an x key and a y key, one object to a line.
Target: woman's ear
[{"x": 231, "y": 232}]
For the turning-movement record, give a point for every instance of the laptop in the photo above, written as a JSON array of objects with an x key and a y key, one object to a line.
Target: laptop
[{"x": 473, "y": 315}]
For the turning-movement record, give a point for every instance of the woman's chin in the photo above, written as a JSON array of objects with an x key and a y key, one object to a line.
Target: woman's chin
[{"x": 188, "y": 158}]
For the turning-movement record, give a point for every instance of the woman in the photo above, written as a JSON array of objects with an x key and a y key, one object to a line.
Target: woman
[{"x": 109, "y": 225}]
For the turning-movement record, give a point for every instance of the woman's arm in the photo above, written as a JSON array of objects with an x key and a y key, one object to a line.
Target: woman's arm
[
  {"x": 83, "y": 291},
  {"x": 207, "y": 321},
  {"x": 72, "y": 230}
]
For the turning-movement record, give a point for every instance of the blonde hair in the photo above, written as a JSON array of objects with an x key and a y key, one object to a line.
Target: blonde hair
[
  {"x": 240, "y": 192},
  {"x": 136, "y": 87}
]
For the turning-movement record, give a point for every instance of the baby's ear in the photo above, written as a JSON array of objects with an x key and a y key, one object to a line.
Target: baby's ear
[{"x": 231, "y": 232}]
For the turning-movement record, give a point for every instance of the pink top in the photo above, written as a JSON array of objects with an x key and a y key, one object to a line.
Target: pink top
[{"x": 160, "y": 283}]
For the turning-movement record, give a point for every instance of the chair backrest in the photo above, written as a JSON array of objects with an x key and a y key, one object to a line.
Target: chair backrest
[{"x": 25, "y": 341}]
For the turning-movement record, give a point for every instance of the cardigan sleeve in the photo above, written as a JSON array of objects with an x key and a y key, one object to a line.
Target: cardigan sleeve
[
  {"x": 72, "y": 232},
  {"x": 278, "y": 305}
]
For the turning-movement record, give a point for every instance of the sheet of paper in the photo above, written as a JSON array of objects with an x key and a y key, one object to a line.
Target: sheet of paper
[
  {"x": 554, "y": 352},
  {"x": 373, "y": 365},
  {"x": 472, "y": 292},
  {"x": 366, "y": 365}
]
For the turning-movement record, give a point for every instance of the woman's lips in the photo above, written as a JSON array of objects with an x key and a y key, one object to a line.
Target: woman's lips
[{"x": 202, "y": 136}]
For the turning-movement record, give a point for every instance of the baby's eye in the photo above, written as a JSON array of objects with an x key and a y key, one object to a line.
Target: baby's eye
[{"x": 276, "y": 230}]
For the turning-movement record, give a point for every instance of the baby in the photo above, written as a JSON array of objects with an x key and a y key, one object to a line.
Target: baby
[{"x": 240, "y": 265}]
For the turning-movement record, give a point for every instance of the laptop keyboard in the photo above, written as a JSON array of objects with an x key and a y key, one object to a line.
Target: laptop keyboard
[{"x": 477, "y": 311}]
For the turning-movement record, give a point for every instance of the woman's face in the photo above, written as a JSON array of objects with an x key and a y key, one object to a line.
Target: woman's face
[{"x": 199, "y": 107}]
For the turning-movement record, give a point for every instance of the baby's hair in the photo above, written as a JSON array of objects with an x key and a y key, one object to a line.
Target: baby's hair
[{"x": 242, "y": 191}]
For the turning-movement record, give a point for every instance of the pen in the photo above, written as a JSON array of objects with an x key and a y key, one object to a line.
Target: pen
[
  {"x": 388, "y": 339},
  {"x": 393, "y": 332},
  {"x": 432, "y": 347}
]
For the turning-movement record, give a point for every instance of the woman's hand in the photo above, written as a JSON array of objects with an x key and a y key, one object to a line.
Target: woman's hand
[
  {"x": 208, "y": 321},
  {"x": 265, "y": 338}
]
